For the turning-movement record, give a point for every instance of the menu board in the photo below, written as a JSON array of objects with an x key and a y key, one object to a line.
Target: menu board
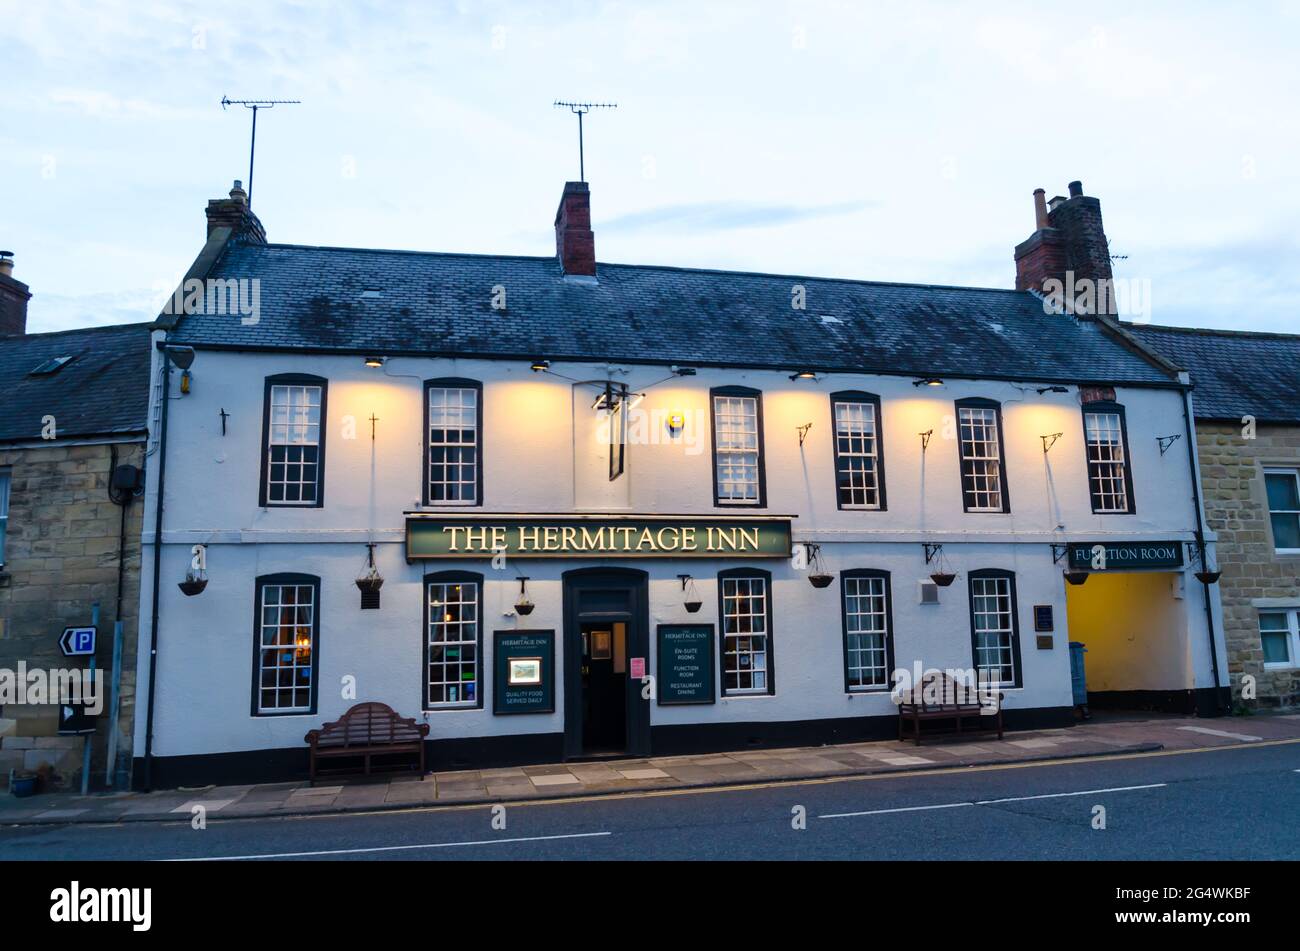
[
  {"x": 524, "y": 672},
  {"x": 684, "y": 664}
]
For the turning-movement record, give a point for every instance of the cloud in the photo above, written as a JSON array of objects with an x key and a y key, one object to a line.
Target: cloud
[{"x": 727, "y": 216}]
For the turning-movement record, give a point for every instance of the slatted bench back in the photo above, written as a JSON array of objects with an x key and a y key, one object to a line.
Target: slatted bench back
[
  {"x": 938, "y": 691},
  {"x": 368, "y": 724}
]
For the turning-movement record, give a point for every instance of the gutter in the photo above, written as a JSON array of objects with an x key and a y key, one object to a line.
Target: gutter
[
  {"x": 1200, "y": 544},
  {"x": 157, "y": 570}
]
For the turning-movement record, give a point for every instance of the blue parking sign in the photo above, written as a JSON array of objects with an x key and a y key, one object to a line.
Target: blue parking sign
[{"x": 77, "y": 641}]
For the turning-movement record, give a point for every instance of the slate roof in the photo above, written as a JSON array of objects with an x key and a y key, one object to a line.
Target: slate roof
[
  {"x": 1235, "y": 373},
  {"x": 103, "y": 391},
  {"x": 439, "y": 304}
]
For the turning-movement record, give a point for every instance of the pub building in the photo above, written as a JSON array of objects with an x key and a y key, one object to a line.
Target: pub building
[{"x": 559, "y": 509}]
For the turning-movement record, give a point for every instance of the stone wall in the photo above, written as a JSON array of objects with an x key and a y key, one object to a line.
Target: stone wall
[
  {"x": 1232, "y": 474},
  {"x": 61, "y": 556}
]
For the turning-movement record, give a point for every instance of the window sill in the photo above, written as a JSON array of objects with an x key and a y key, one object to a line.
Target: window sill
[
  {"x": 452, "y": 708},
  {"x": 1281, "y": 667},
  {"x": 748, "y": 696}
]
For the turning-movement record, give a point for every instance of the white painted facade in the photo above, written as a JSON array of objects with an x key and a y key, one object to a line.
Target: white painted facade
[{"x": 538, "y": 439}]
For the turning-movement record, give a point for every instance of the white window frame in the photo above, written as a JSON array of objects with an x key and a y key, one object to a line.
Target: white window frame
[
  {"x": 299, "y": 431},
  {"x": 737, "y": 447},
  {"x": 731, "y": 594},
  {"x": 1002, "y": 586},
  {"x": 1292, "y": 632},
  {"x": 468, "y": 598},
  {"x": 278, "y": 626},
  {"x": 874, "y": 591},
  {"x": 984, "y": 466},
  {"x": 863, "y": 430},
  {"x": 6, "y": 490},
  {"x": 473, "y": 408},
  {"x": 1105, "y": 454},
  {"x": 1295, "y": 475}
]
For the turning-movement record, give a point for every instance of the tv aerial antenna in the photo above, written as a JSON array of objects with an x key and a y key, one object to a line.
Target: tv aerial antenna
[
  {"x": 255, "y": 104},
  {"x": 580, "y": 109}
]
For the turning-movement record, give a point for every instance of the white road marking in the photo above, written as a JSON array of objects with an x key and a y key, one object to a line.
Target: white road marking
[
  {"x": 1059, "y": 795},
  {"x": 991, "y": 802},
  {"x": 881, "y": 812},
  {"x": 1232, "y": 736},
  {"x": 391, "y": 848}
]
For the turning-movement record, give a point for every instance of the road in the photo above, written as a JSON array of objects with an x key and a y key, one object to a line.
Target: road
[{"x": 1236, "y": 803}]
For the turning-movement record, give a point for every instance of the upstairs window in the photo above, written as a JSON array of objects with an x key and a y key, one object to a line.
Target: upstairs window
[
  {"x": 738, "y": 447},
  {"x": 983, "y": 465},
  {"x": 293, "y": 457},
  {"x": 1283, "y": 487},
  {"x": 453, "y": 470},
  {"x": 1110, "y": 482},
  {"x": 859, "y": 459}
]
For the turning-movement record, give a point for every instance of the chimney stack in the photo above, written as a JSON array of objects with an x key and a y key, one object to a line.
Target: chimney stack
[
  {"x": 575, "y": 244},
  {"x": 234, "y": 213},
  {"x": 13, "y": 299},
  {"x": 1068, "y": 239}
]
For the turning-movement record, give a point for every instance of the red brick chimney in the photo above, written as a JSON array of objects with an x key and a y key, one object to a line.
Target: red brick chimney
[
  {"x": 13, "y": 299},
  {"x": 575, "y": 244},
  {"x": 234, "y": 213},
  {"x": 1068, "y": 238}
]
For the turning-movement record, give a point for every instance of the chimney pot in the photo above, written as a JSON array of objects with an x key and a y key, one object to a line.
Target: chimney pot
[
  {"x": 1040, "y": 209},
  {"x": 234, "y": 213},
  {"x": 1076, "y": 189}
]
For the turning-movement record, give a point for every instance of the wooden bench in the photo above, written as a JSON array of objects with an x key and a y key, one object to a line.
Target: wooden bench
[
  {"x": 940, "y": 697},
  {"x": 367, "y": 730}
]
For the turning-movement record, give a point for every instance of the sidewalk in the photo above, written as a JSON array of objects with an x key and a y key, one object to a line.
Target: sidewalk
[{"x": 1101, "y": 737}]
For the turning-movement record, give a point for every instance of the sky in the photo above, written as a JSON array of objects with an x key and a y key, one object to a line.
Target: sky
[{"x": 867, "y": 140}]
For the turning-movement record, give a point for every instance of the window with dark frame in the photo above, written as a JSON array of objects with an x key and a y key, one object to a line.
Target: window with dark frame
[
  {"x": 868, "y": 630},
  {"x": 1110, "y": 481},
  {"x": 738, "y": 477},
  {"x": 983, "y": 463},
  {"x": 293, "y": 450},
  {"x": 995, "y": 627},
  {"x": 453, "y": 643},
  {"x": 287, "y": 644},
  {"x": 453, "y": 465},
  {"x": 859, "y": 457},
  {"x": 1283, "y": 490},
  {"x": 745, "y": 609}
]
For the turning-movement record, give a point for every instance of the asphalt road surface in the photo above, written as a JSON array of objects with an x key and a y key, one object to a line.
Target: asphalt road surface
[{"x": 1236, "y": 803}]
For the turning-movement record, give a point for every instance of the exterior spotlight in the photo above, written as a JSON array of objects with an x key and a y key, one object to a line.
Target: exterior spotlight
[
  {"x": 1051, "y": 389},
  {"x": 928, "y": 381},
  {"x": 803, "y": 375},
  {"x": 1075, "y": 577},
  {"x": 540, "y": 366},
  {"x": 180, "y": 356},
  {"x": 683, "y": 371},
  {"x": 376, "y": 361}
]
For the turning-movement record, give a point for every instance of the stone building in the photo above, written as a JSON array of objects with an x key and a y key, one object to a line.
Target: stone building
[
  {"x": 75, "y": 412},
  {"x": 1247, "y": 399}
]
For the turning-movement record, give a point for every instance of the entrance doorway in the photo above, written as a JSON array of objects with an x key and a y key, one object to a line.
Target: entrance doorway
[{"x": 606, "y": 636}]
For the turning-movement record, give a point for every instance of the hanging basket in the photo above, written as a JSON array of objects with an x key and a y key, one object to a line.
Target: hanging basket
[
  {"x": 943, "y": 578},
  {"x": 192, "y": 586},
  {"x": 1075, "y": 577},
  {"x": 370, "y": 585},
  {"x": 524, "y": 608},
  {"x": 1208, "y": 577},
  {"x": 820, "y": 580},
  {"x": 692, "y": 607}
]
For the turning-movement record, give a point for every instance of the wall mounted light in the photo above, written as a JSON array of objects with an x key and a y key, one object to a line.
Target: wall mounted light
[
  {"x": 376, "y": 361},
  {"x": 683, "y": 371},
  {"x": 1075, "y": 577},
  {"x": 1052, "y": 389},
  {"x": 540, "y": 366},
  {"x": 928, "y": 381},
  {"x": 186, "y": 379},
  {"x": 690, "y": 598},
  {"x": 803, "y": 375}
]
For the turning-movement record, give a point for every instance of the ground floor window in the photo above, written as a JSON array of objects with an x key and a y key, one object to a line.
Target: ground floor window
[
  {"x": 288, "y": 633},
  {"x": 453, "y": 639},
  {"x": 868, "y": 649},
  {"x": 746, "y": 614},
  {"x": 1279, "y": 633},
  {"x": 995, "y": 630}
]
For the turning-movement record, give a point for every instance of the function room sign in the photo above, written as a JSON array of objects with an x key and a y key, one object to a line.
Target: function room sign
[
  {"x": 430, "y": 536},
  {"x": 684, "y": 665},
  {"x": 1125, "y": 556}
]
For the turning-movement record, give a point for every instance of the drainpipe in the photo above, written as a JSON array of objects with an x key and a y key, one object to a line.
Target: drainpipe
[
  {"x": 157, "y": 567},
  {"x": 1200, "y": 544}
]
